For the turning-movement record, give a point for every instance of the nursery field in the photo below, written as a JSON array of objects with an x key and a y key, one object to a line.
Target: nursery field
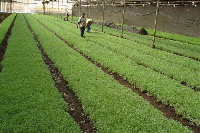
[{"x": 52, "y": 80}]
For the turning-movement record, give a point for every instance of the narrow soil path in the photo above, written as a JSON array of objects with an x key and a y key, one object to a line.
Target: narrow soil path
[
  {"x": 4, "y": 43},
  {"x": 168, "y": 111},
  {"x": 75, "y": 107}
]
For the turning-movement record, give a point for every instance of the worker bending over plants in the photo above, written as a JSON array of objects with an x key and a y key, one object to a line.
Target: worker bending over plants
[{"x": 88, "y": 24}]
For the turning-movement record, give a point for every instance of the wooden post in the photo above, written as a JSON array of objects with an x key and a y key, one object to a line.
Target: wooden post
[
  {"x": 7, "y": 7},
  {"x": 44, "y": 8},
  {"x": 48, "y": 8},
  {"x": 102, "y": 23},
  {"x": 35, "y": 7},
  {"x": 11, "y": 6},
  {"x": 79, "y": 8},
  {"x": 4, "y": 6},
  {"x": 58, "y": 9},
  {"x": 0, "y": 7},
  {"x": 62, "y": 10},
  {"x": 27, "y": 6},
  {"x": 153, "y": 45},
  {"x": 89, "y": 9},
  {"x": 124, "y": 2},
  {"x": 72, "y": 11}
]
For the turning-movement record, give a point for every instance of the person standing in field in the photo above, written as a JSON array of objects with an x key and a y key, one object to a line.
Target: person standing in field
[
  {"x": 82, "y": 24},
  {"x": 67, "y": 15}
]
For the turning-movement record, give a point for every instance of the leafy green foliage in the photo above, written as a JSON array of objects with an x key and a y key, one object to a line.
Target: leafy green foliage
[
  {"x": 177, "y": 47},
  {"x": 28, "y": 98},
  {"x": 135, "y": 52},
  {"x": 183, "y": 99},
  {"x": 176, "y": 37},
  {"x": 112, "y": 107}
]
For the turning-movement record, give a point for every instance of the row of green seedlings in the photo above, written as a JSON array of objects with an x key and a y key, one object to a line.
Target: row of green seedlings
[
  {"x": 169, "y": 57},
  {"x": 146, "y": 40},
  {"x": 176, "y": 37},
  {"x": 179, "y": 48},
  {"x": 5, "y": 25},
  {"x": 180, "y": 39},
  {"x": 28, "y": 98},
  {"x": 183, "y": 99},
  {"x": 176, "y": 71},
  {"x": 112, "y": 107},
  {"x": 171, "y": 43}
]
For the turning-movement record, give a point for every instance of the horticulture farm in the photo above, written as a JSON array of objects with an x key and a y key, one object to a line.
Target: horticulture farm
[{"x": 53, "y": 80}]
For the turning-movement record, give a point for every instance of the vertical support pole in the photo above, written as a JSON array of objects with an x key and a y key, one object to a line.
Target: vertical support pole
[
  {"x": 123, "y": 12},
  {"x": 72, "y": 11},
  {"x": 66, "y": 10},
  {"x": 102, "y": 23},
  {"x": 35, "y": 6},
  {"x": 52, "y": 8},
  {"x": 7, "y": 7},
  {"x": 58, "y": 9},
  {"x": 27, "y": 6},
  {"x": 89, "y": 9},
  {"x": 153, "y": 45},
  {"x": 0, "y": 7},
  {"x": 11, "y": 6},
  {"x": 4, "y": 6},
  {"x": 62, "y": 10},
  {"x": 44, "y": 8},
  {"x": 48, "y": 8},
  {"x": 80, "y": 8},
  {"x": 18, "y": 6}
]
